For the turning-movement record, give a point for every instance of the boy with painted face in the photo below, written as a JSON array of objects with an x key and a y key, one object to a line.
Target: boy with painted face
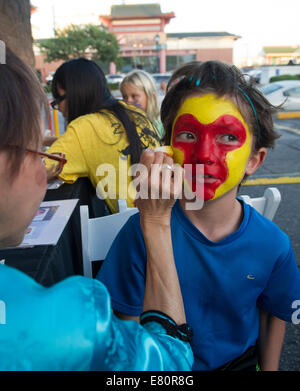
[
  {"x": 237, "y": 270},
  {"x": 209, "y": 130}
]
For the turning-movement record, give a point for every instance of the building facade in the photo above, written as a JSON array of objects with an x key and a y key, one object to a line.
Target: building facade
[
  {"x": 202, "y": 46},
  {"x": 140, "y": 30},
  {"x": 281, "y": 55},
  {"x": 141, "y": 35},
  {"x": 143, "y": 41}
]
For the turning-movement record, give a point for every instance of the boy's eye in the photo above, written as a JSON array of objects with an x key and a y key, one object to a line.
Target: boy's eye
[
  {"x": 228, "y": 139},
  {"x": 185, "y": 136}
]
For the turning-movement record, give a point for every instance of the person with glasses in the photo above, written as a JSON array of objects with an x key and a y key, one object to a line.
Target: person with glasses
[
  {"x": 53, "y": 162},
  {"x": 101, "y": 129},
  {"x": 55, "y": 104},
  {"x": 70, "y": 326}
]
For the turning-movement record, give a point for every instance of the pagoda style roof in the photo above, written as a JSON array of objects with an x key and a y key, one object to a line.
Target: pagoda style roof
[
  {"x": 135, "y": 10},
  {"x": 202, "y": 35},
  {"x": 130, "y": 11}
]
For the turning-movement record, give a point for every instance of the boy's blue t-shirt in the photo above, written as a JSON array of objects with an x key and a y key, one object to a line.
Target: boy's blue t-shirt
[{"x": 223, "y": 283}]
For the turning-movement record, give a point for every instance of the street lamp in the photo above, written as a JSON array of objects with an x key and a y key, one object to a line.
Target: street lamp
[{"x": 157, "y": 47}]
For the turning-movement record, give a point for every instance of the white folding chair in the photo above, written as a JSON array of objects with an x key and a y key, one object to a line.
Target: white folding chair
[
  {"x": 268, "y": 204},
  {"x": 97, "y": 234}
]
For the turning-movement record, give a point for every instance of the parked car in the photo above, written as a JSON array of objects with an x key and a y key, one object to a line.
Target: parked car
[
  {"x": 254, "y": 74},
  {"x": 115, "y": 78},
  {"x": 159, "y": 77},
  {"x": 287, "y": 91}
]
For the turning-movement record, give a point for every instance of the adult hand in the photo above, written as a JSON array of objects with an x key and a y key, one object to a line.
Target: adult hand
[
  {"x": 160, "y": 185},
  {"x": 164, "y": 180}
]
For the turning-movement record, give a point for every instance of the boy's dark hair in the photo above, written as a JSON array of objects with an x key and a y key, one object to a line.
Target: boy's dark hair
[
  {"x": 222, "y": 79},
  {"x": 87, "y": 92},
  {"x": 21, "y": 101}
]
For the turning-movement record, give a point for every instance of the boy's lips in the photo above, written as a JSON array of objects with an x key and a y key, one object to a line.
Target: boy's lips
[
  {"x": 206, "y": 178},
  {"x": 211, "y": 175},
  {"x": 203, "y": 178}
]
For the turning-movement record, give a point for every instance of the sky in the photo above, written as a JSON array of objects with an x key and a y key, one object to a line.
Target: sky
[{"x": 258, "y": 22}]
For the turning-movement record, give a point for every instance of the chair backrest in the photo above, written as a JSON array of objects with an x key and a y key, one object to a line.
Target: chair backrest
[
  {"x": 268, "y": 204},
  {"x": 97, "y": 234}
]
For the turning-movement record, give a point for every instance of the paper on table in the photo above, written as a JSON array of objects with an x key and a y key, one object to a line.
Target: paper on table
[
  {"x": 55, "y": 184},
  {"x": 49, "y": 223}
]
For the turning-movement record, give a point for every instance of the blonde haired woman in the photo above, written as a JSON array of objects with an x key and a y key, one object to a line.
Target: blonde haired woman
[{"x": 138, "y": 88}]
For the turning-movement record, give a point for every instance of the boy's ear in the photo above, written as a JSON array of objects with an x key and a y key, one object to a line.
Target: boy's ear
[{"x": 255, "y": 160}]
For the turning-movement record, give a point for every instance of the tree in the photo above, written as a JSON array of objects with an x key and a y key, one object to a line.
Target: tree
[
  {"x": 15, "y": 28},
  {"x": 81, "y": 41}
]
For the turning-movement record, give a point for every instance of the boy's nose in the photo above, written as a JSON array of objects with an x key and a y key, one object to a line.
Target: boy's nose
[{"x": 204, "y": 151}]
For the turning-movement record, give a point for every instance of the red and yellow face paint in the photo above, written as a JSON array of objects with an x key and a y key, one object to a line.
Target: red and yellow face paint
[{"x": 211, "y": 131}]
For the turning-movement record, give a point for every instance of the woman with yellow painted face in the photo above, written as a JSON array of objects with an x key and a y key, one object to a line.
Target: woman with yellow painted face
[{"x": 237, "y": 286}]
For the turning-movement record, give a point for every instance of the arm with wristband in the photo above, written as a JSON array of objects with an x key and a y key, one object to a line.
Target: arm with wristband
[{"x": 162, "y": 300}]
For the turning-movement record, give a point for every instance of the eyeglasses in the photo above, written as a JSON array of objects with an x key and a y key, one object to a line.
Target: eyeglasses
[
  {"x": 53, "y": 161},
  {"x": 54, "y": 104}
]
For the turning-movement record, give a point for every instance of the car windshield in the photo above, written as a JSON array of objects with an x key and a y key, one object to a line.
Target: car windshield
[
  {"x": 269, "y": 88},
  {"x": 159, "y": 78}
]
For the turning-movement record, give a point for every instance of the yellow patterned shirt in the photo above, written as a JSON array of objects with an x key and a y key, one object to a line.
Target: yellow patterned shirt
[{"x": 96, "y": 146}]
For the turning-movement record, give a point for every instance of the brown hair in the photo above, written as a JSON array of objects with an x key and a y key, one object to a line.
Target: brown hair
[
  {"x": 21, "y": 100},
  {"x": 221, "y": 79}
]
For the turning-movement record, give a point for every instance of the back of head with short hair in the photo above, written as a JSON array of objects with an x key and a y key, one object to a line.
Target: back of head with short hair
[
  {"x": 222, "y": 79},
  {"x": 145, "y": 82},
  {"x": 21, "y": 100}
]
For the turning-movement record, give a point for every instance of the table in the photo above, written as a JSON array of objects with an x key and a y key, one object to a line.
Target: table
[{"x": 51, "y": 264}]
